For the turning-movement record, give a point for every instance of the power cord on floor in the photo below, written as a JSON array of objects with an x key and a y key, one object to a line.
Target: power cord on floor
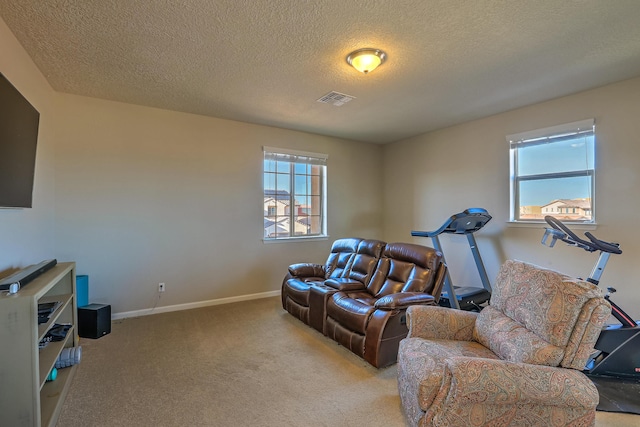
[{"x": 156, "y": 302}]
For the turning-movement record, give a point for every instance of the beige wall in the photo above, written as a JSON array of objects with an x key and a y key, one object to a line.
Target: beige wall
[
  {"x": 139, "y": 196},
  {"x": 430, "y": 177},
  {"x": 146, "y": 196},
  {"x": 26, "y": 235}
]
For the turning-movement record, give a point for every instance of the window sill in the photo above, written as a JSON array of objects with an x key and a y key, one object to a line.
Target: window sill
[
  {"x": 295, "y": 239},
  {"x": 543, "y": 224}
]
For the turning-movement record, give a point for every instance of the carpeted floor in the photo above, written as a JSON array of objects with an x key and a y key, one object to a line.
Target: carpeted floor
[{"x": 242, "y": 364}]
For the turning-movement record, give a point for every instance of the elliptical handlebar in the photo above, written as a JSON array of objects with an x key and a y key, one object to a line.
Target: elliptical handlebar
[
  {"x": 612, "y": 248},
  {"x": 559, "y": 231},
  {"x": 562, "y": 232}
]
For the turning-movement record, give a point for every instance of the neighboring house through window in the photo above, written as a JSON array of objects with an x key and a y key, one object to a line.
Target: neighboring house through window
[
  {"x": 553, "y": 173},
  {"x": 294, "y": 186}
]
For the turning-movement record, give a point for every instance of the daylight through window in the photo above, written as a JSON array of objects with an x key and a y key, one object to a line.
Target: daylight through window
[
  {"x": 553, "y": 173},
  {"x": 294, "y": 194}
]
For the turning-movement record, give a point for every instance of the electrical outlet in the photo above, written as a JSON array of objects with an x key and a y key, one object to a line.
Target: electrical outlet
[{"x": 160, "y": 287}]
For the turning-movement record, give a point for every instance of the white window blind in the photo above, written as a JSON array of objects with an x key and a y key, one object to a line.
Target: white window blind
[{"x": 553, "y": 173}]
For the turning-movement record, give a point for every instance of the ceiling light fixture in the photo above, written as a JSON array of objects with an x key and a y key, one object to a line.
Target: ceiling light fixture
[{"x": 366, "y": 60}]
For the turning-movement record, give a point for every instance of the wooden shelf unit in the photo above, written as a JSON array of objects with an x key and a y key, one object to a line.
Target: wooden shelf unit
[{"x": 26, "y": 398}]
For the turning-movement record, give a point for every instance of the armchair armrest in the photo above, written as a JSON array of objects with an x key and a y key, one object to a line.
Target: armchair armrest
[
  {"x": 345, "y": 284},
  {"x": 519, "y": 383},
  {"x": 402, "y": 300},
  {"x": 433, "y": 322},
  {"x": 306, "y": 270}
]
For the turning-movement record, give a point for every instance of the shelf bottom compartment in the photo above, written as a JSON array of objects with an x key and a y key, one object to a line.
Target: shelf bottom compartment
[{"x": 52, "y": 395}]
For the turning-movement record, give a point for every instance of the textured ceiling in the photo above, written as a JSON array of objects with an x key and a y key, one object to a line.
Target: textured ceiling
[{"x": 268, "y": 61}]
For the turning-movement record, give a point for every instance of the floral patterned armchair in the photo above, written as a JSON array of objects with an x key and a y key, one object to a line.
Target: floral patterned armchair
[{"x": 517, "y": 362}]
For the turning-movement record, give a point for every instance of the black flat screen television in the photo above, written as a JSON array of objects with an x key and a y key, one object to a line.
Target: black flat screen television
[{"x": 18, "y": 139}]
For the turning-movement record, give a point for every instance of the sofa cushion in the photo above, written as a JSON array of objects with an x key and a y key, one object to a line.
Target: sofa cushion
[
  {"x": 337, "y": 264},
  {"x": 352, "y": 310},
  {"x": 365, "y": 260},
  {"x": 306, "y": 270},
  {"x": 345, "y": 284},
  {"x": 404, "y": 300},
  {"x": 298, "y": 291},
  {"x": 341, "y": 256},
  {"x": 404, "y": 267}
]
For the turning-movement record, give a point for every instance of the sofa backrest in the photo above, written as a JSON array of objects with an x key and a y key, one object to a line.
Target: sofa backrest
[
  {"x": 541, "y": 317},
  {"x": 341, "y": 257},
  {"x": 365, "y": 260},
  {"x": 405, "y": 267}
]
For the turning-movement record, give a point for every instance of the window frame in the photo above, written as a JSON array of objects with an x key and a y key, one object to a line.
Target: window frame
[
  {"x": 549, "y": 135},
  {"x": 297, "y": 157}
]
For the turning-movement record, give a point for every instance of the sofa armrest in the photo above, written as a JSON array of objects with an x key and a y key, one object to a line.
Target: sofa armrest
[
  {"x": 433, "y": 322},
  {"x": 520, "y": 383},
  {"x": 345, "y": 284},
  {"x": 402, "y": 300},
  {"x": 306, "y": 269}
]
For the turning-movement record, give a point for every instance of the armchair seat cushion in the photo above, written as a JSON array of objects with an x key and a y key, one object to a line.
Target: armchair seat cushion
[{"x": 351, "y": 310}]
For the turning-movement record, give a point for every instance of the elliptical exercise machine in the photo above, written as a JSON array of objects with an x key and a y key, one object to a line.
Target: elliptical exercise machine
[
  {"x": 618, "y": 347},
  {"x": 467, "y": 223}
]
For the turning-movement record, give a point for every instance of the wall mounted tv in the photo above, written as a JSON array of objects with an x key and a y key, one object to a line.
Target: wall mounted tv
[{"x": 18, "y": 138}]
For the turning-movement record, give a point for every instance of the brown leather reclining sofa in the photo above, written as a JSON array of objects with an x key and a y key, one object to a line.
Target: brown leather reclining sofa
[{"x": 360, "y": 295}]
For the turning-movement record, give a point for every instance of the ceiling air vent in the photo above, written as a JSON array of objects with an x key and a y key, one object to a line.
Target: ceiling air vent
[{"x": 336, "y": 98}]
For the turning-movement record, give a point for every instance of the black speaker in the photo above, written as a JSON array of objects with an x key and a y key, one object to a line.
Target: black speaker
[{"x": 94, "y": 320}]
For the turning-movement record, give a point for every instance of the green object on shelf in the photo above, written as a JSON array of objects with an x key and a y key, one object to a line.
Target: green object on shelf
[{"x": 52, "y": 375}]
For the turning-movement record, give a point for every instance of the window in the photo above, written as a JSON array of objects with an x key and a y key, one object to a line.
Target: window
[
  {"x": 294, "y": 194},
  {"x": 553, "y": 173}
]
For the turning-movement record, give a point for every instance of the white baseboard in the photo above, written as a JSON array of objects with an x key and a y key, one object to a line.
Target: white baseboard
[{"x": 190, "y": 305}]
